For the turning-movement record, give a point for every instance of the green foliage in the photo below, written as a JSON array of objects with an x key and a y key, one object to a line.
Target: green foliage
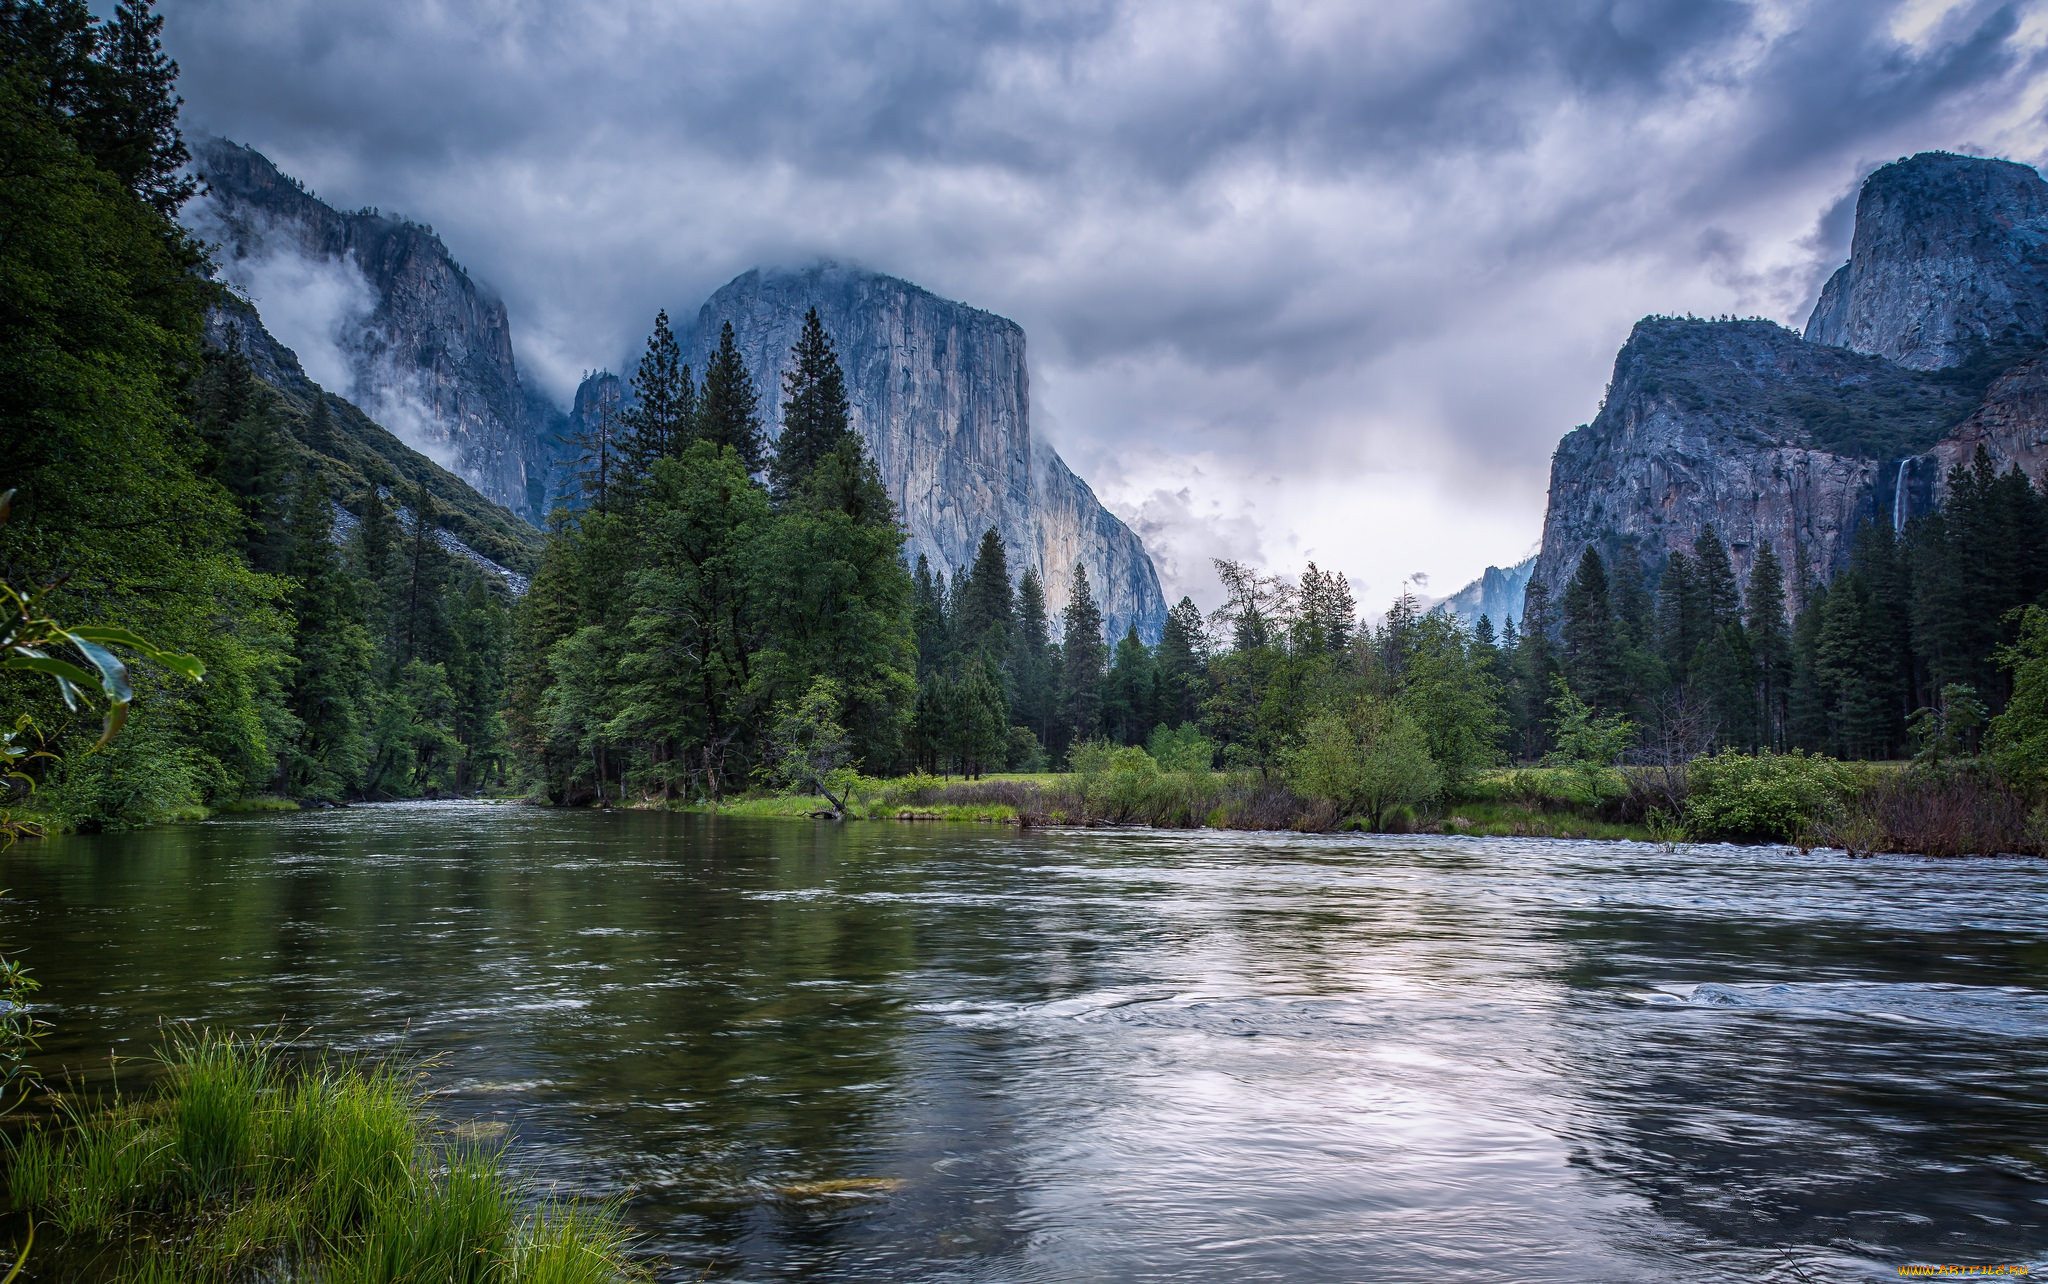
[
  {"x": 1767, "y": 796},
  {"x": 2019, "y": 735},
  {"x": 241, "y": 1167},
  {"x": 1588, "y": 743},
  {"x": 809, "y": 750},
  {"x": 1368, "y": 759},
  {"x": 1182, "y": 748},
  {"x": 814, "y": 411}
]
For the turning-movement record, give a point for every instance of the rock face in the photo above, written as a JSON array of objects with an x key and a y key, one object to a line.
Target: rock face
[
  {"x": 1920, "y": 350},
  {"x": 1950, "y": 256},
  {"x": 1497, "y": 594},
  {"x": 355, "y": 454},
  {"x": 940, "y": 393},
  {"x": 385, "y": 317}
]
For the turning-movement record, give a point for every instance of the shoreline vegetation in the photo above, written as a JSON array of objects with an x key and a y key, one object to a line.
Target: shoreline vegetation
[
  {"x": 1809, "y": 802},
  {"x": 238, "y": 1164}
]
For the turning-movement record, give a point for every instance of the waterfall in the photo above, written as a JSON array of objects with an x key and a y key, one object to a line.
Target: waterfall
[{"x": 1899, "y": 497}]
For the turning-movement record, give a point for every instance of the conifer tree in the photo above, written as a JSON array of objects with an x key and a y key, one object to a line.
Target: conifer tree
[
  {"x": 421, "y": 622},
  {"x": 1718, "y": 593},
  {"x": 1327, "y": 613},
  {"x": 663, "y": 417},
  {"x": 1771, "y": 646},
  {"x": 1127, "y": 713},
  {"x": 1183, "y": 650},
  {"x": 1031, "y": 675},
  {"x": 815, "y": 413},
  {"x": 1083, "y": 652},
  {"x": 983, "y": 607},
  {"x": 1591, "y": 652},
  {"x": 1535, "y": 671},
  {"x": 728, "y": 406},
  {"x": 928, "y": 617},
  {"x": 333, "y": 655}
]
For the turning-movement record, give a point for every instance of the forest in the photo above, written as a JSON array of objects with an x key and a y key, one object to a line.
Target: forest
[{"x": 704, "y": 601}]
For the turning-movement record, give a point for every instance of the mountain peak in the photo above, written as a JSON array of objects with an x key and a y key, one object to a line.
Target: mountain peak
[{"x": 1949, "y": 263}]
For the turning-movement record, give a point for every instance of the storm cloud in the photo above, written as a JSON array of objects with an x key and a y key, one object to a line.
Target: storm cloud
[{"x": 1301, "y": 280}]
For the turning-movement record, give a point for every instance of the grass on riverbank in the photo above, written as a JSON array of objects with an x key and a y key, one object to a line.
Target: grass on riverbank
[
  {"x": 1540, "y": 804},
  {"x": 241, "y": 1169}
]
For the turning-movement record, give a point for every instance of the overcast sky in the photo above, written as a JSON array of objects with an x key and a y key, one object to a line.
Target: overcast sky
[{"x": 1300, "y": 280}]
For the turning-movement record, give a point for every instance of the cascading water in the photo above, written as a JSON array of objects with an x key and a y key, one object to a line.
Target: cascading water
[{"x": 1899, "y": 497}]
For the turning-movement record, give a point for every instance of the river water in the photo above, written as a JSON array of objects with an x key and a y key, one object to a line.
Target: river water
[{"x": 899, "y": 1052}]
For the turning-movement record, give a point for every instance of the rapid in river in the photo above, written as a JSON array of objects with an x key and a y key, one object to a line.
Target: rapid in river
[{"x": 893, "y": 1052}]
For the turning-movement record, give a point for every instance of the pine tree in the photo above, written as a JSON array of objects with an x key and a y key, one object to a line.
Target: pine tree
[
  {"x": 1031, "y": 676},
  {"x": 1771, "y": 645},
  {"x": 984, "y": 609},
  {"x": 815, "y": 413},
  {"x": 1127, "y": 713},
  {"x": 421, "y": 620},
  {"x": 1083, "y": 651},
  {"x": 1592, "y": 659},
  {"x": 1535, "y": 671},
  {"x": 663, "y": 417},
  {"x": 1722, "y": 602},
  {"x": 131, "y": 126},
  {"x": 729, "y": 407},
  {"x": 1327, "y": 613},
  {"x": 330, "y": 676},
  {"x": 1183, "y": 650},
  {"x": 928, "y": 618}
]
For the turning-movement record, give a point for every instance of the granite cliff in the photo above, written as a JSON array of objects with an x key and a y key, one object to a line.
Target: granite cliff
[
  {"x": 1497, "y": 594},
  {"x": 1921, "y": 348},
  {"x": 941, "y": 394},
  {"x": 355, "y": 453},
  {"x": 393, "y": 321}
]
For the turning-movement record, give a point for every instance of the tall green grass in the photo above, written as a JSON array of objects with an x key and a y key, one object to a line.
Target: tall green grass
[{"x": 241, "y": 1168}]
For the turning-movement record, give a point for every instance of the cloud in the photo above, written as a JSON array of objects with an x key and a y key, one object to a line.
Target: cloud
[
  {"x": 317, "y": 305},
  {"x": 1341, "y": 273}
]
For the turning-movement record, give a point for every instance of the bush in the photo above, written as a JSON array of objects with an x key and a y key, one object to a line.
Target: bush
[
  {"x": 1368, "y": 760},
  {"x": 2019, "y": 736},
  {"x": 1769, "y": 797},
  {"x": 1182, "y": 748},
  {"x": 1937, "y": 813}
]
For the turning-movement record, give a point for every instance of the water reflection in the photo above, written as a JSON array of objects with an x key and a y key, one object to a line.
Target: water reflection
[{"x": 896, "y": 1052}]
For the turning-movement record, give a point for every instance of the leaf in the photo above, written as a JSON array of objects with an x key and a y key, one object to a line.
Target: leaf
[
  {"x": 189, "y": 665},
  {"x": 113, "y": 673},
  {"x": 70, "y": 678},
  {"x": 117, "y": 717},
  {"x": 111, "y": 636}
]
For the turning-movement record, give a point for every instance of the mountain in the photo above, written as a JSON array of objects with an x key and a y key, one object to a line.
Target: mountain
[
  {"x": 941, "y": 394},
  {"x": 355, "y": 454},
  {"x": 1497, "y": 595},
  {"x": 386, "y": 318},
  {"x": 1922, "y": 347},
  {"x": 1950, "y": 257}
]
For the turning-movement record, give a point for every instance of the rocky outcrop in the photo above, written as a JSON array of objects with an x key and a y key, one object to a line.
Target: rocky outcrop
[
  {"x": 1950, "y": 258},
  {"x": 355, "y": 454},
  {"x": 415, "y": 342},
  {"x": 1497, "y": 595},
  {"x": 1920, "y": 350},
  {"x": 940, "y": 393}
]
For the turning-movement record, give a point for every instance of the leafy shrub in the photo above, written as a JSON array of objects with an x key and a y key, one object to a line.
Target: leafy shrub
[
  {"x": 2019, "y": 736},
  {"x": 1770, "y": 797},
  {"x": 1182, "y": 748},
  {"x": 1367, "y": 760}
]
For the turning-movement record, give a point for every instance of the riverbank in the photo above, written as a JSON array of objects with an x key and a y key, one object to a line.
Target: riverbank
[
  {"x": 1800, "y": 800},
  {"x": 238, "y": 1166},
  {"x": 1529, "y": 803}
]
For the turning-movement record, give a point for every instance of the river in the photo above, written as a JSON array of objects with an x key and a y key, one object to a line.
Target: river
[{"x": 872, "y": 1052}]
